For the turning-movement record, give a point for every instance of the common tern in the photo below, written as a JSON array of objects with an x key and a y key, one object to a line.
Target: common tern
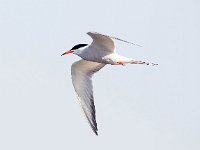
[{"x": 94, "y": 57}]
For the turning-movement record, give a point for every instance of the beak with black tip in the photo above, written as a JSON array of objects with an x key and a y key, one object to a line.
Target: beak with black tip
[{"x": 67, "y": 52}]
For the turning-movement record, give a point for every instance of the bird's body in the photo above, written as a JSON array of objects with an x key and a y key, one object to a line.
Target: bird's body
[
  {"x": 90, "y": 54},
  {"x": 94, "y": 57}
]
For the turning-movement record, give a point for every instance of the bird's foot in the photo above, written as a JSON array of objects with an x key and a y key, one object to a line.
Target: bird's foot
[{"x": 120, "y": 63}]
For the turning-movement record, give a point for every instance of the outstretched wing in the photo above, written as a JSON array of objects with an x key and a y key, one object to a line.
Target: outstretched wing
[
  {"x": 102, "y": 42},
  {"x": 82, "y": 72},
  {"x": 105, "y": 42}
]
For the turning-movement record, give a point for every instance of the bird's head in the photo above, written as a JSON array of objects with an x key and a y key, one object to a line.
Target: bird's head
[{"x": 76, "y": 49}]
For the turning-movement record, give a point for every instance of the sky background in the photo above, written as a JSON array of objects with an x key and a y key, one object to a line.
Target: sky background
[{"x": 138, "y": 107}]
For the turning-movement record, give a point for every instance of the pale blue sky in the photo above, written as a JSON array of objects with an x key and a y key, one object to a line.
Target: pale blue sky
[{"x": 138, "y": 107}]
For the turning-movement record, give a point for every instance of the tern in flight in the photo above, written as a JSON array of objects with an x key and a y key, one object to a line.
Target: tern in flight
[{"x": 94, "y": 57}]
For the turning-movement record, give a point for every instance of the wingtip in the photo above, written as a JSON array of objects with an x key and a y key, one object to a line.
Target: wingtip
[
  {"x": 95, "y": 129},
  {"x": 96, "y": 133}
]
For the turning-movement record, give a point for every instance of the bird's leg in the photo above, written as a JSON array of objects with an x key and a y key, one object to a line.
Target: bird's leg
[
  {"x": 120, "y": 63},
  {"x": 142, "y": 62}
]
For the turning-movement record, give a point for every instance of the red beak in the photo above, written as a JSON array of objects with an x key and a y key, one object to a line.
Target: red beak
[{"x": 67, "y": 52}]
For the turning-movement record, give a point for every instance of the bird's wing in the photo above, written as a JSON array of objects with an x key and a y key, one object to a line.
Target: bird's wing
[
  {"x": 105, "y": 42},
  {"x": 82, "y": 72},
  {"x": 102, "y": 42}
]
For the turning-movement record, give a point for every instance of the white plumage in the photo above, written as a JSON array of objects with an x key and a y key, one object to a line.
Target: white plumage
[{"x": 94, "y": 57}]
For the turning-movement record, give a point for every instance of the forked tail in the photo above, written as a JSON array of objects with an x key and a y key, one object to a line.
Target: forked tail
[{"x": 142, "y": 62}]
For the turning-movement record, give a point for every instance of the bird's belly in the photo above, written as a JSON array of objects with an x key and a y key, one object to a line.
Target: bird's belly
[
  {"x": 116, "y": 59},
  {"x": 112, "y": 59},
  {"x": 96, "y": 58},
  {"x": 99, "y": 60}
]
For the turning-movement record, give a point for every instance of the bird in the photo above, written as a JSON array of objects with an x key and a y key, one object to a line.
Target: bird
[{"x": 94, "y": 56}]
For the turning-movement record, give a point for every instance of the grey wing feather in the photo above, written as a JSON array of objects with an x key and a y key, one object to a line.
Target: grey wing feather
[
  {"x": 102, "y": 42},
  {"x": 109, "y": 38},
  {"x": 82, "y": 72}
]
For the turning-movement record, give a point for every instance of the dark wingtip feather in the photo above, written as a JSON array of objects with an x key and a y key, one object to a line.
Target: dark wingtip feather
[
  {"x": 94, "y": 127},
  {"x": 95, "y": 131},
  {"x": 92, "y": 122}
]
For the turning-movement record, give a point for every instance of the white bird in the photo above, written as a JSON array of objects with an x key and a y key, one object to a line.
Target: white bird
[{"x": 94, "y": 57}]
